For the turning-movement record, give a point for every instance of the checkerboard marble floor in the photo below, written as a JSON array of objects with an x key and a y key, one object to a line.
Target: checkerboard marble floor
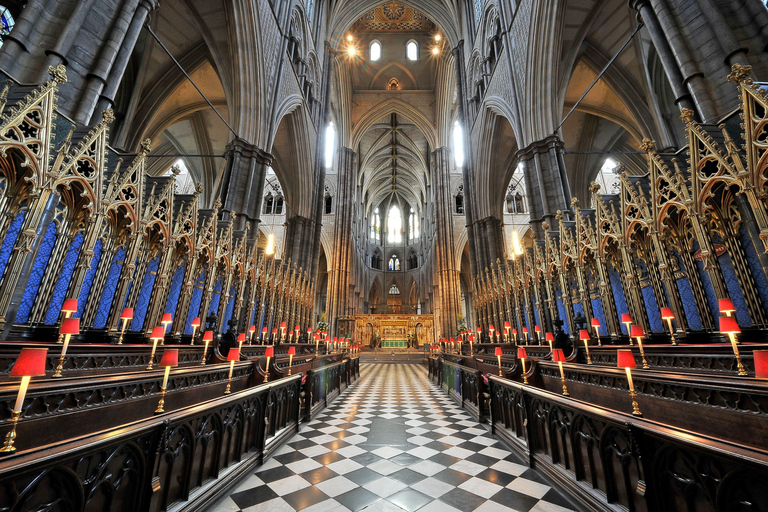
[{"x": 393, "y": 441}]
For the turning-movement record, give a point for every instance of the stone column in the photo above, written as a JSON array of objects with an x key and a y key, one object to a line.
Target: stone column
[
  {"x": 339, "y": 272},
  {"x": 243, "y": 183},
  {"x": 444, "y": 243},
  {"x": 546, "y": 181}
]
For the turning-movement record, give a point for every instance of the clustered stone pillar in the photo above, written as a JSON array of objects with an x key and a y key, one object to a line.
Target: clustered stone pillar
[
  {"x": 546, "y": 181},
  {"x": 243, "y": 184},
  {"x": 445, "y": 257},
  {"x": 339, "y": 273}
]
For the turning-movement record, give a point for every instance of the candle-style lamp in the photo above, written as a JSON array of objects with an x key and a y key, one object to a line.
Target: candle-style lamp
[
  {"x": 263, "y": 339},
  {"x": 471, "y": 341},
  {"x": 166, "y": 321},
  {"x": 30, "y": 363},
  {"x": 479, "y": 335},
  {"x": 157, "y": 334},
  {"x": 627, "y": 321},
  {"x": 207, "y": 338},
  {"x": 240, "y": 340},
  {"x": 169, "y": 360},
  {"x": 491, "y": 330},
  {"x": 296, "y": 330},
  {"x": 726, "y": 306},
  {"x": 268, "y": 353},
  {"x": 67, "y": 310},
  {"x": 232, "y": 357},
  {"x": 638, "y": 334},
  {"x": 522, "y": 355},
  {"x": 195, "y": 326},
  {"x": 126, "y": 316},
  {"x": 668, "y": 315},
  {"x": 559, "y": 357},
  {"x": 498, "y": 358},
  {"x": 309, "y": 335},
  {"x": 526, "y": 335},
  {"x": 551, "y": 340},
  {"x": 327, "y": 343},
  {"x": 514, "y": 335},
  {"x": 584, "y": 336},
  {"x": 458, "y": 345},
  {"x": 625, "y": 359},
  {"x": 69, "y": 326},
  {"x": 251, "y": 333},
  {"x": 335, "y": 343},
  {"x": 506, "y": 332},
  {"x": 291, "y": 353},
  {"x": 283, "y": 327},
  {"x": 537, "y": 330},
  {"x": 729, "y": 326},
  {"x": 596, "y": 327},
  {"x": 317, "y": 342},
  {"x": 275, "y": 341},
  {"x": 761, "y": 363}
]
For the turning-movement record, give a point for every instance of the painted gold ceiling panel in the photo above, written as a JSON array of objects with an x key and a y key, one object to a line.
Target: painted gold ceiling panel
[{"x": 393, "y": 17}]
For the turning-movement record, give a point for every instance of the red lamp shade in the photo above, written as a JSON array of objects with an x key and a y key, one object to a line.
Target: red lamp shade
[
  {"x": 335, "y": 339},
  {"x": 167, "y": 319},
  {"x": 472, "y": 338},
  {"x": 234, "y": 354},
  {"x": 309, "y": 331},
  {"x": 666, "y": 314},
  {"x": 637, "y": 332},
  {"x": 240, "y": 337},
  {"x": 317, "y": 336},
  {"x": 521, "y": 353},
  {"x": 525, "y": 330},
  {"x": 297, "y": 328},
  {"x": 728, "y": 325},
  {"x": 30, "y": 363},
  {"x": 725, "y": 305},
  {"x": 595, "y": 322},
  {"x": 761, "y": 363},
  {"x": 498, "y": 351},
  {"x": 157, "y": 333},
  {"x": 282, "y": 325},
  {"x": 625, "y": 359},
  {"x": 537, "y": 329},
  {"x": 127, "y": 314},
  {"x": 506, "y": 325},
  {"x": 274, "y": 331},
  {"x": 514, "y": 331},
  {"x": 558, "y": 356},
  {"x": 584, "y": 335},
  {"x": 70, "y": 326},
  {"x": 452, "y": 340},
  {"x": 170, "y": 357},
  {"x": 252, "y": 329},
  {"x": 264, "y": 330},
  {"x": 327, "y": 338},
  {"x": 70, "y": 306},
  {"x": 625, "y": 318},
  {"x": 195, "y": 322},
  {"x": 490, "y": 328},
  {"x": 270, "y": 352},
  {"x": 549, "y": 336},
  {"x": 291, "y": 351},
  {"x": 208, "y": 336}
]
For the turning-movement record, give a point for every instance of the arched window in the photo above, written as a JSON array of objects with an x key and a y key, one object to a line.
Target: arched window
[
  {"x": 413, "y": 261},
  {"x": 6, "y": 23},
  {"x": 478, "y": 10},
  {"x": 412, "y": 50},
  {"x": 376, "y": 260},
  {"x": 278, "y": 206},
  {"x": 410, "y": 226},
  {"x": 328, "y": 204},
  {"x": 330, "y": 145},
  {"x": 394, "y": 290},
  {"x": 394, "y": 262},
  {"x": 413, "y": 226},
  {"x": 268, "y": 204},
  {"x": 458, "y": 144},
  {"x": 376, "y": 226},
  {"x": 394, "y": 226},
  {"x": 459, "y": 203},
  {"x": 375, "y": 50}
]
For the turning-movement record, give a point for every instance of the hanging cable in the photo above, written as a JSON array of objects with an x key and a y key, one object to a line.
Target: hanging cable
[{"x": 610, "y": 62}]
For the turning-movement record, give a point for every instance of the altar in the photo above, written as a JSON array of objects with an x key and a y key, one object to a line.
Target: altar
[{"x": 396, "y": 332}]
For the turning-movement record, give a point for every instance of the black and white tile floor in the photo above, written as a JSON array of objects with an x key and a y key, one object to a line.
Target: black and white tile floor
[{"x": 392, "y": 442}]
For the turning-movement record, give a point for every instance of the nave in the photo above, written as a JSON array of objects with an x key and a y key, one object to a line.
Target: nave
[{"x": 393, "y": 441}]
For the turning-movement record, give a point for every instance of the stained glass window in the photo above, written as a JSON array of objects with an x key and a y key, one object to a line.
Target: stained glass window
[
  {"x": 478, "y": 10},
  {"x": 394, "y": 290},
  {"x": 88, "y": 281},
  {"x": 394, "y": 262},
  {"x": 60, "y": 290},
  {"x": 194, "y": 303},
  {"x": 394, "y": 226},
  {"x": 458, "y": 144},
  {"x": 310, "y": 7},
  {"x": 142, "y": 304},
  {"x": 105, "y": 301},
  {"x": 36, "y": 276},
  {"x": 175, "y": 289},
  {"x": 6, "y": 23}
]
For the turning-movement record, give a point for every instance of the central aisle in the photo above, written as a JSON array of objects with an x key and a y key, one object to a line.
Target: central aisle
[{"x": 393, "y": 441}]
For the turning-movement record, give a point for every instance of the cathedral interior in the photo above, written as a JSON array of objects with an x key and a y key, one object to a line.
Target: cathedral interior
[{"x": 343, "y": 255}]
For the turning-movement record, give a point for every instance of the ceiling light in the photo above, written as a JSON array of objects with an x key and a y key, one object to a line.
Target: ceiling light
[
  {"x": 436, "y": 51},
  {"x": 351, "y": 51},
  {"x": 437, "y": 37},
  {"x": 349, "y": 38}
]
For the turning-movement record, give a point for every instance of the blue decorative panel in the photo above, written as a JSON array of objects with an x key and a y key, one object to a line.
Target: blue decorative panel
[
  {"x": 194, "y": 303},
  {"x": 618, "y": 296},
  {"x": 174, "y": 291},
  {"x": 689, "y": 304},
  {"x": 754, "y": 264},
  {"x": 561, "y": 311},
  {"x": 230, "y": 308},
  {"x": 140, "y": 311},
  {"x": 60, "y": 290},
  {"x": 597, "y": 309},
  {"x": 215, "y": 298},
  {"x": 654, "y": 314},
  {"x": 734, "y": 290},
  {"x": 110, "y": 285},
  {"x": 88, "y": 281},
  {"x": 10, "y": 239},
  {"x": 36, "y": 275}
]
